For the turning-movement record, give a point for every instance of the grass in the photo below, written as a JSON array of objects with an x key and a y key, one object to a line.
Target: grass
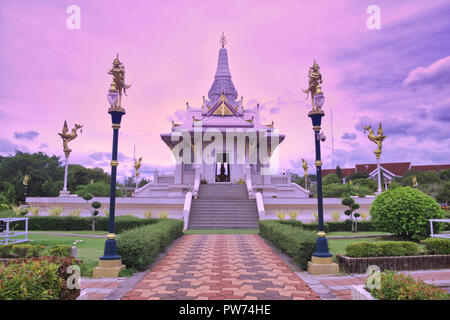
[
  {"x": 82, "y": 232},
  {"x": 230, "y": 231},
  {"x": 89, "y": 250},
  {"x": 349, "y": 233},
  {"x": 337, "y": 246}
]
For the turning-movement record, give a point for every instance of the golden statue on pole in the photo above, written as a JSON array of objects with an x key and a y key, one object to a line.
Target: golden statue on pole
[
  {"x": 118, "y": 72},
  {"x": 315, "y": 78},
  {"x": 378, "y": 139},
  {"x": 305, "y": 168},
  {"x": 137, "y": 165},
  {"x": 67, "y": 137}
]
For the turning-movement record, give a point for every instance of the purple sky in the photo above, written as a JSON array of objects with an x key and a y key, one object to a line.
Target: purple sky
[{"x": 399, "y": 75}]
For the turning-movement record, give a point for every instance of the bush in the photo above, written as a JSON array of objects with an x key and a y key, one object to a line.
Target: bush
[
  {"x": 397, "y": 286},
  {"x": 68, "y": 223},
  {"x": 97, "y": 189},
  {"x": 15, "y": 251},
  {"x": 297, "y": 243},
  {"x": 382, "y": 249},
  {"x": 436, "y": 246},
  {"x": 43, "y": 278},
  {"x": 331, "y": 178},
  {"x": 61, "y": 251},
  {"x": 405, "y": 212},
  {"x": 140, "y": 246}
]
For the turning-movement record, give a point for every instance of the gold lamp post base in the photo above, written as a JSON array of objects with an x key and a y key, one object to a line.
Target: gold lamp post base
[
  {"x": 322, "y": 266},
  {"x": 108, "y": 269}
]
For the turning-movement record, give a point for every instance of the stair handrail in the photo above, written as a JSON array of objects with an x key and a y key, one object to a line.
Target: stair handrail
[
  {"x": 260, "y": 205},
  {"x": 196, "y": 181},
  {"x": 248, "y": 182},
  {"x": 187, "y": 209}
]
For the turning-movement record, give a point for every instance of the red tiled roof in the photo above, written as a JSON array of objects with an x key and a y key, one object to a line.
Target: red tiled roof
[
  {"x": 437, "y": 167},
  {"x": 398, "y": 168}
]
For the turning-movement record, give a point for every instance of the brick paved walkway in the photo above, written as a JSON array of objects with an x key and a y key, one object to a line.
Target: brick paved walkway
[
  {"x": 221, "y": 266},
  {"x": 97, "y": 289}
]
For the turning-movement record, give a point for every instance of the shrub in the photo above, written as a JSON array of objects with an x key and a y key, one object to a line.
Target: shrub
[
  {"x": 405, "y": 212},
  {"x": 16, "y": 251},
  {"x": 56, "y": 211},
  {"x": 382, "y": 249},
  {"x": 293, "y": 215},
  {"x": 34, "y": 211},
  {"x": 297, "y": 243},
  {"x": 436, "y": 246},
  {"x": 335, "y": 216},
  {"x": 331, "y": 178},
  {"x": 140, "y": 246},
  {"x": 30, "y": 280},
  {"x": 397, "y": 286},
  {"x": 66, "y": 223},
  {"x": 148, "y": 214},
  {"x": 61, "y": 251},
  {"x": 280, "y": 215},
  {"x": 97, "y": 189},
  {"x": 75, "y": 212}
]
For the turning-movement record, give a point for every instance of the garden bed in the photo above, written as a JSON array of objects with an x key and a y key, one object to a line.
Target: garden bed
[{"x": 419, "y": 262}]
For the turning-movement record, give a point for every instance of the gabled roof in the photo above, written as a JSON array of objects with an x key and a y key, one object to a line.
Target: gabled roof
[
  {"x": 222, "y": 108},
  {"x": 437, "y": 167},
  {"x": 397, "y": 168}
]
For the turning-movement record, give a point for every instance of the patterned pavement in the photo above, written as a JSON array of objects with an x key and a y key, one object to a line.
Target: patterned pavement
[{"x": 218, "y": 267}]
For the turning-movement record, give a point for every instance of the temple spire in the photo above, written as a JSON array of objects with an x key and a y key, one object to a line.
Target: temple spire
[
  {"x": 223, "y": 40},
  {"x": 222, "y": 80}
]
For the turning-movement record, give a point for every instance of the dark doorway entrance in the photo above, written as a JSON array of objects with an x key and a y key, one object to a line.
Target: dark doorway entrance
[{"x": 222, "y": 167}]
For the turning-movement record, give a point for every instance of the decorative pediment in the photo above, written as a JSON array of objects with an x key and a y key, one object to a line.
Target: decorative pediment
[{"x": 222, "y": 108}]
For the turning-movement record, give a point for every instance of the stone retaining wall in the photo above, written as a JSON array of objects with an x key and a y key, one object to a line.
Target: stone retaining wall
[{"x": 422, "y": 262}]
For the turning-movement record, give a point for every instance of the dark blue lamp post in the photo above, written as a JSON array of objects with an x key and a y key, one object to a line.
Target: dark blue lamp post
[
  {"x": 316, "y": 116},
  {"x": 116, "y": 113}
]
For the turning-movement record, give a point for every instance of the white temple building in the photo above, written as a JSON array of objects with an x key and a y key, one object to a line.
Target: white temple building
[{"x": 223, "y": 175}]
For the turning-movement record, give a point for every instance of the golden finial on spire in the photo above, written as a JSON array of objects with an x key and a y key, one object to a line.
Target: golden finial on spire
[{"x": 223, "y": 40}]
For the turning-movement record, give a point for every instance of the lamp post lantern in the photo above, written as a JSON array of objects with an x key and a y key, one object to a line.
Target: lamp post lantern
[
  {"x": 322, "y": 260},
  {"x": 110, "y": 263}
]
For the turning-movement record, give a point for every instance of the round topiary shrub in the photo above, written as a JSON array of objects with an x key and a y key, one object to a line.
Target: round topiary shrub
[{"x": 405, "y": 212}]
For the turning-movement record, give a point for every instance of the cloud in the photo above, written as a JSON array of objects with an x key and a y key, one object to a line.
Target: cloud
[
  {"x": 349, "y": 136},
  {"x": 275, "y": 110},
  {"x": 7, "y": 147},
  {"x": 437, "y": 75},
  {"x": 28, "y": 136},
  {"x": 43, "y": 146},
  {"x": 106, "y": 156}
]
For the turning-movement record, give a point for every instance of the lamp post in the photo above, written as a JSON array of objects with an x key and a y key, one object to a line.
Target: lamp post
[
  {"x": 321, "y": 260},
  {"x": 110, "y": 263}
]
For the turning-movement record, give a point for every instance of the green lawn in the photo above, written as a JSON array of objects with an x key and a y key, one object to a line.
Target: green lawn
[
  {"x": 83, "y": 232},
  {"x": 89, "y": 249},
  {"x": 337, "y": 246},
  {"x": 349, "y": 233},
  {"x": 235, "y": 231}
]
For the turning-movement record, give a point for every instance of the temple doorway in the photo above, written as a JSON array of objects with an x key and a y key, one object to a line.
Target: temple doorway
[{"x": 222, "y": 167}]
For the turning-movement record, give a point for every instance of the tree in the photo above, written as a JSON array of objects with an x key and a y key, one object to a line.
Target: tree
[
  {"x": 96, "y": 205},
  {"x": 406, "y": 212},
  {"x": 97, "y": 189},
  {"x": 331, "y": 178},
  {"x": 357, "y": 175},
  {"x": 444, "y": 175},
  {"x": 339, "y": 172},
  {"x": 352, "y": 206}
]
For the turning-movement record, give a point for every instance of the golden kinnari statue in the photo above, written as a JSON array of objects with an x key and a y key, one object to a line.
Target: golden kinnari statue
[
  {"x": 137, "y": 165},
  {"x": 26, "y": 178},
  {"x": 305, "y": 166},
  {"x": 414, "y": 182},
  {"x": 315, "y": 78},
  {"x": 118, "y": 73},
  {"x": 378, "y": 139},
  {"x": 67, "y": 137}
]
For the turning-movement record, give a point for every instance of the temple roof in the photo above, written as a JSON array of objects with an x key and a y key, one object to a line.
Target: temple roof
[{"x": 222, "y": 80}]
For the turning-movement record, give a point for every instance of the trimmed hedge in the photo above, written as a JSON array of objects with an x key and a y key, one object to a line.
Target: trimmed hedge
[
  {"x": 436, "y": 246},
  {"x": 298, "y": 243},
  {"x": 331, "y": 226},
  {"x": 382, "y": 249},
  {"x": 67, "y": 223},
  {"x": 397, "y": 286},
  {"x": 15, "y": 251},
  {"x": 140, "y": 246},
  {"x": 43, "y": 278}
]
